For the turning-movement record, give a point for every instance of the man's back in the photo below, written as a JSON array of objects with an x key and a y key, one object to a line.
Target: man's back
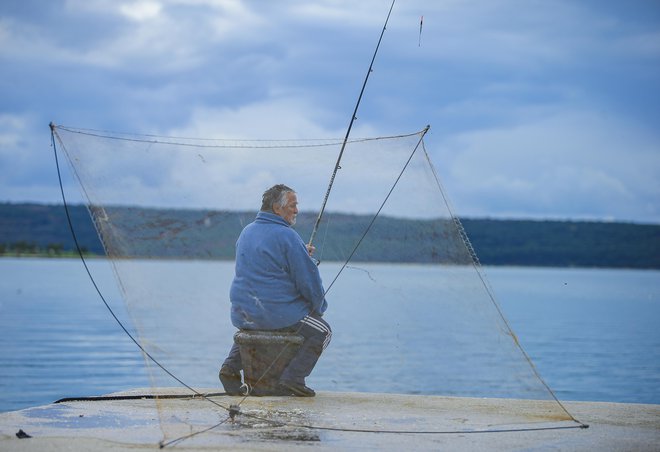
[{"x": 276, "y": 282}]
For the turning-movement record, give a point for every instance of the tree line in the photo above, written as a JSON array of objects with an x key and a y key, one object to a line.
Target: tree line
[{"x": 40, "y": 229}]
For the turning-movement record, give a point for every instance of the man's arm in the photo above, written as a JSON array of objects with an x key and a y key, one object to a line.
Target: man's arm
[{"x": 306, "y": 275}]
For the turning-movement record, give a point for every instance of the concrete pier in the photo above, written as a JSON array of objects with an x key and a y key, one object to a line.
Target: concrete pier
[{"x": 329, "y": 421}]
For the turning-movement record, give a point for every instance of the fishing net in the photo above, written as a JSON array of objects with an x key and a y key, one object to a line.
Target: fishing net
[{"x": 409, "y": 305}]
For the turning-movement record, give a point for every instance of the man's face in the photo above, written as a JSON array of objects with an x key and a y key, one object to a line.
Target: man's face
[{"x": 290, "y": 209}]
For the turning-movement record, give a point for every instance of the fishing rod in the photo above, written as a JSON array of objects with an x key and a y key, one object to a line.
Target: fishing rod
[{"x": 348, "y": 132}]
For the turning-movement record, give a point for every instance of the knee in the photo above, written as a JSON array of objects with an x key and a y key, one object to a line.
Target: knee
[
  {"x": 317, "y": 331},
  {"x": 326, "y": 335},
  {"x": 327, "y": 339}
]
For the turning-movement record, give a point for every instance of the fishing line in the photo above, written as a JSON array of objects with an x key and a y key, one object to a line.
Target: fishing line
[
  {"x": 348, "y": 132},
  {"x": 382, "y": 205}
]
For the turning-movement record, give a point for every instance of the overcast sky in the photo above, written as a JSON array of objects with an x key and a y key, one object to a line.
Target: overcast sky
[{"x": 538, "y": 109}]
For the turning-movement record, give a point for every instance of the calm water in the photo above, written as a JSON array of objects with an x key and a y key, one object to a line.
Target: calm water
[{"x": 593, "y": 334}]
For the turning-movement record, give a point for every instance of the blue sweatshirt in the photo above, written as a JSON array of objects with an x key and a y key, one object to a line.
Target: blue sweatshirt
[{"x": 276, "y": 282}]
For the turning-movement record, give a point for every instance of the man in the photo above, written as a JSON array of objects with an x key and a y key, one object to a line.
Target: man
[{"x": 277, "y": 286}]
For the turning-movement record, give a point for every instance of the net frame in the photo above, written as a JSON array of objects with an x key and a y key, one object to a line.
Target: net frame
[{"x": 101, "y": 215}]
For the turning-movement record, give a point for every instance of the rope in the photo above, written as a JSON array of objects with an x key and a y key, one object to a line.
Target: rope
[
  {"x": 235, "y": 411},
  {"x": 477, "y": 266},
  {"x": 373, "y": 219},
  {"x": 96, "y": 287},
  {"x": 222, "y": 143},
  {"x": 136, "y": 397},
  {"x": 414, "y": 432}
]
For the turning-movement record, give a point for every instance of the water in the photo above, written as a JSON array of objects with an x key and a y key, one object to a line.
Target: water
[{"x": 593, "y": 334}]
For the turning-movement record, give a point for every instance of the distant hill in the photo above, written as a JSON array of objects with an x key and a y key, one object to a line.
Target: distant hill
[
  {"x": 565, "y": 243},
  {"x": 38, "y": 228}
]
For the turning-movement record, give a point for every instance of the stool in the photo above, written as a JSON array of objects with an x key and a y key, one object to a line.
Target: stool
[{"x": 265, "y": 355}]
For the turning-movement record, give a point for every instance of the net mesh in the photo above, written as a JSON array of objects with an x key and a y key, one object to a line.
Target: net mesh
[{"x": 410, "y": 308}]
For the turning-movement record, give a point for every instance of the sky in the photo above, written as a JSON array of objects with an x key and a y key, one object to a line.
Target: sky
[{"x": 538, "y": 109}]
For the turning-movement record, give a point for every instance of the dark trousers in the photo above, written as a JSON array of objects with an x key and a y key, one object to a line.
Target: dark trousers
[{"x": 316, "y": 335}]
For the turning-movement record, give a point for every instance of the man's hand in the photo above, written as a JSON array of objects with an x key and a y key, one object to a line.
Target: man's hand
[{"x": 310, "y": 249}]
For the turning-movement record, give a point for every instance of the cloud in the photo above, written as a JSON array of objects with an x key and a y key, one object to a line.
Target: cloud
[
  {"x": 577, "y": 164},
  {"x": 141, "y": 10},
  {"x": 151, "y": 36},
  {"x": 529, "y": 91},
  {"x": 280, "y": 117},
  {"x": 275, "y": 118},
  {"x": 27, "y": 160}
]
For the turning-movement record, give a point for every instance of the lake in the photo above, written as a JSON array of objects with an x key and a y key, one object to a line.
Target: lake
[{"x": 593, "y": 334}]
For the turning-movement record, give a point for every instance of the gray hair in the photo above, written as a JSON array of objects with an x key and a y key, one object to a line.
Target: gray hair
[{"x": 275, "y": 195}]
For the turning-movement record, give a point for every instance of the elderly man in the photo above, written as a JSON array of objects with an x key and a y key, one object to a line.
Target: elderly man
[{"x": 277, "y": 286}]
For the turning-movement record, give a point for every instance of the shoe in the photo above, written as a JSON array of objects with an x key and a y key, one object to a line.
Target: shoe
[
  {"x": 297, "y": 389},
  {"x": 231, "y": 381}
]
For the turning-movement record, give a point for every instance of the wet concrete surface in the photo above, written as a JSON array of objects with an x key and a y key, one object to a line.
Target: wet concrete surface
[{"x": 330, "y": 421}]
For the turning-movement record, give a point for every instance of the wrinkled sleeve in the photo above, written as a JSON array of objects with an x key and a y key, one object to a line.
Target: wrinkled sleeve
[{"x": 306, "y": 275}]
